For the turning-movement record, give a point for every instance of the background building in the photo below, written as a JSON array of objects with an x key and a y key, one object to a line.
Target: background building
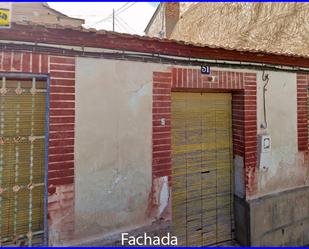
[
  {"x": 41, "y": 13},
  {"x": 272, "y": 27}
]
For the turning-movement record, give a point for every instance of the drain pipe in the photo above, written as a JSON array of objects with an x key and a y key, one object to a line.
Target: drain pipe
[{"x": 265, "y": 78}]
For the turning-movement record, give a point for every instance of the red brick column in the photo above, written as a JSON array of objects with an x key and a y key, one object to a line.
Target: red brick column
[
  {"x": 250, "y": 132},
  {"x": 238, "y": 122},
  {"x": 61, "y": 135},
  {"x": 61, "y": 147},
  {"x": 161, "y": 134},
  {"x": 62, "y": 119},
  {"x": 243, "y": 88},
  {"x": 302, "y": 109}
]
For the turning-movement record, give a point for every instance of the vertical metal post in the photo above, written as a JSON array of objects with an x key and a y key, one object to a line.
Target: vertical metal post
[
  {"x": 46, "y": 164},
  {"x": 31, "y": 163},
  {"x": 16, "y": 150}
]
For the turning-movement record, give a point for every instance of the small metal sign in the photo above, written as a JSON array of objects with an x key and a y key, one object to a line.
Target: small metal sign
[
  {"x": 5, "y": 15},
  {"x": 205, "y": 69}
]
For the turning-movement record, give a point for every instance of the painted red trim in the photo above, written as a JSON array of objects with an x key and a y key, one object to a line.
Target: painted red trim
[
  {"x": 302, "y": 111},
  {"x": 112, "y": 40},
  {"x": 243, "y": 88}
]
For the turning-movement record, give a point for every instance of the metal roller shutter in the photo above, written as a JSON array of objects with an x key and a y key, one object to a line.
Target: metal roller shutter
[{"x": 202, "y": 197}]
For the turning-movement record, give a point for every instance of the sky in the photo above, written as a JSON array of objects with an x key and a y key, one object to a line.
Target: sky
[{"x": 130, "y": 17}]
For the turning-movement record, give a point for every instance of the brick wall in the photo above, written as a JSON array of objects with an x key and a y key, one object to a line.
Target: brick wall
[
  {"x": 161, "y": 135},
  {"x": 171, "y": 11},
  {"x": 238, "y": 123},
  {"x": 302, "y": 109},
  {"x": 243, "y": 88},
  {"x": 61, "y": 136},
  {"x": 250, "y": 132}
]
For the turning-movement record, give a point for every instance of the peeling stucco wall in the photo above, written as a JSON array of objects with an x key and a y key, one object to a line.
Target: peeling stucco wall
[
  {"x": 113, "y": 145},
  {"x": 159, "y": 201},
  {"x": 60, "y": 214},
  {"x": 287, "y": 167}
]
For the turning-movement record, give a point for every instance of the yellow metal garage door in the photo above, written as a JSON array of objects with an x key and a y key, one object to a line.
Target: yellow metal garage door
[
  {"x": 22, "y": 158},
  {"x": 202, "y": 172}
]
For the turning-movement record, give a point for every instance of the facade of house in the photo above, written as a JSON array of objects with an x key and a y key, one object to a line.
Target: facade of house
[
  {"x": 271, "y": 27},
  {"x": 41, "y": 13},
  {"x": 108, "y": 133}
]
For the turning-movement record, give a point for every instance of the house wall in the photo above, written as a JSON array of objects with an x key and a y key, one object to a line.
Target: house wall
[
  {"x": 108, "y": 148},
  {"x": 98, "y": 213},
  {"x": 113, "y": 145},
  {"x": 287, "y": 165},
  {"x": 267, "y": 218}
]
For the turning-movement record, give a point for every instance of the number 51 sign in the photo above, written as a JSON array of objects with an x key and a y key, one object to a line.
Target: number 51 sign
[
  {"x": 5, "y": 15},
  {"x": 205, "y": 69}
]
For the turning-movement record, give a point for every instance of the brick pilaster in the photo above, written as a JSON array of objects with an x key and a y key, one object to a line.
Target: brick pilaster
[{"x": 302, "y": 109}]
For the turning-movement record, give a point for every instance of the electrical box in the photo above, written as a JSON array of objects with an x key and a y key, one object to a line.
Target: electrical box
[{"x": 264, "y": 151}]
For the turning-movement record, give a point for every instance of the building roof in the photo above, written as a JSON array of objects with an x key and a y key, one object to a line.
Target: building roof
[{"x": 62, "y": 35}]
